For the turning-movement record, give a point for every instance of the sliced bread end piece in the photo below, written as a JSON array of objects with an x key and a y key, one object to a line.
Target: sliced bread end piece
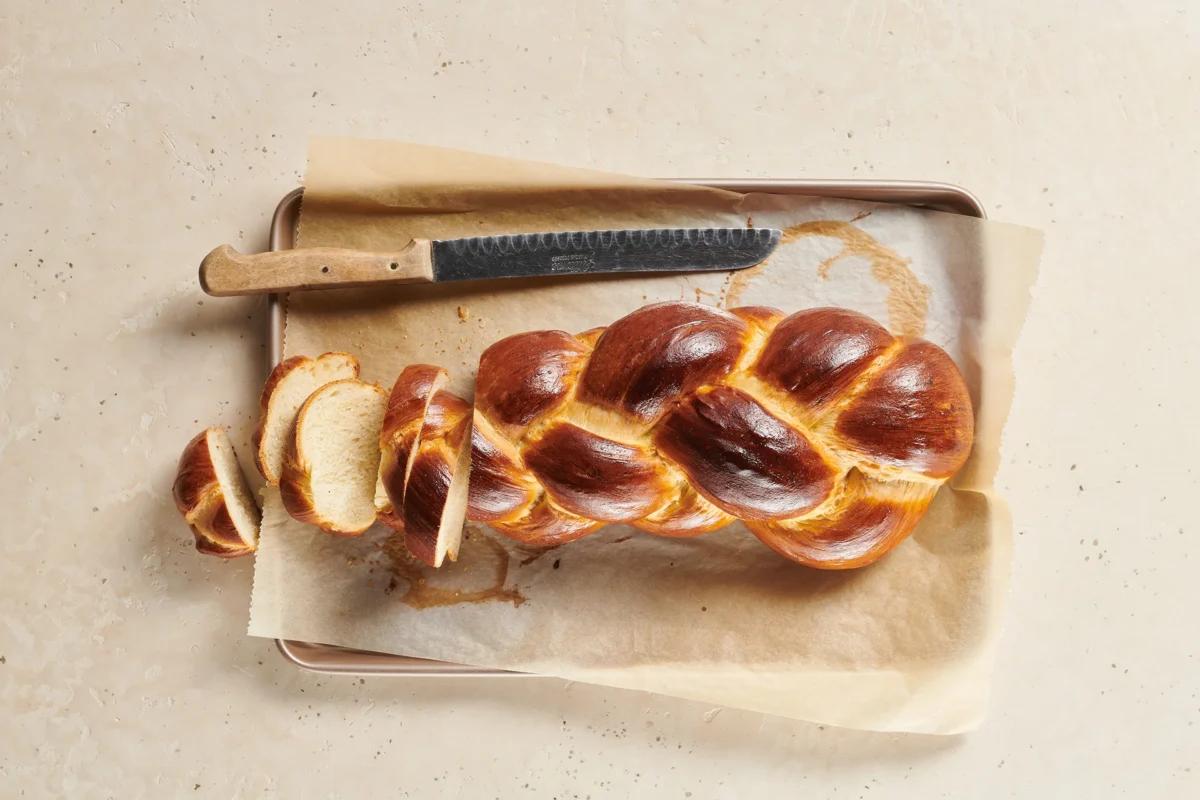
[
  {"x": 214, "y": 498},
  {"x": 286, "y": 389},
  {"x": 329, "y": 470}
]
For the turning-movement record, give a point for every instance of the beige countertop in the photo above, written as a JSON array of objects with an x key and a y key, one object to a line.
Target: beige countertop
[{"x": 134, "y": 136}]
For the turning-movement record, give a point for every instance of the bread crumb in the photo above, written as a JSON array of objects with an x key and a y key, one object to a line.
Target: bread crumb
[{"x": 464, "y": 313}]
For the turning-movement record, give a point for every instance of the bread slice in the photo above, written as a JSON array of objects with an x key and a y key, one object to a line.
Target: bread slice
[
  {"x": 212, "y": 494},
  {"x": 407, "y": 405},
  {"x": 435, "y": 493},
  {"x": 286, "y": 389},
  {"x": 330, "y": 468}
]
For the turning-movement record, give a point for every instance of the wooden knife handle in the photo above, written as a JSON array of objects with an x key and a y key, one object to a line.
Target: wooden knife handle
[{"x": 225, "y": 271}]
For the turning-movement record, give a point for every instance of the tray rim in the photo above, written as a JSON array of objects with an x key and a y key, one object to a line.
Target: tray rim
[{"x": 336, "y": 660}]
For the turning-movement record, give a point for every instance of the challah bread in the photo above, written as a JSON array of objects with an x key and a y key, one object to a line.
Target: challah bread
[
  {"x": 212, "y": 495},
  {"x": 330, "y": 469},
  {"x": 286, "y": 389},
  {"x": 822, "y": 431}
]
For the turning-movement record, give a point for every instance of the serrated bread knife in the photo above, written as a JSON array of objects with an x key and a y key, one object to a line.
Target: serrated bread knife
[{"x": 225, "y": 271}]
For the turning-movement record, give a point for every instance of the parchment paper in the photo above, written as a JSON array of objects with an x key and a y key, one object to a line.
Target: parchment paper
[{"x": 904, "y": 645}]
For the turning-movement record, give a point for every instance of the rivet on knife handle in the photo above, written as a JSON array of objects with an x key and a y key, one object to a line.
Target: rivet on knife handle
[{"x": 225, "y": 271}]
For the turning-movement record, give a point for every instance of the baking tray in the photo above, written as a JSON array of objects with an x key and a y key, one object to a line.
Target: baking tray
[{"x": 345, "y": 661}]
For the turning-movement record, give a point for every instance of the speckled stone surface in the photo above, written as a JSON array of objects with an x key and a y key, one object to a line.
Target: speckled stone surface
[{"x": 134, "y": 136}]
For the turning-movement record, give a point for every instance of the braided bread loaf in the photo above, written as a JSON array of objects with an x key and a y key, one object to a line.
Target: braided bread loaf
[{"x": 827, "y": 435}]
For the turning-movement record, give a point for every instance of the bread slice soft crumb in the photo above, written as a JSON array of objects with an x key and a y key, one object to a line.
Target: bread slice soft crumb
[
  {"x": 329, "y": 471},
  {"x": 289, "y": 385}
]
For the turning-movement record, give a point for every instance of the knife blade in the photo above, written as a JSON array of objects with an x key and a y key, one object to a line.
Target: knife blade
[
  {"x": 227, "y": 272},
  {"x": 587, "y": 252}
]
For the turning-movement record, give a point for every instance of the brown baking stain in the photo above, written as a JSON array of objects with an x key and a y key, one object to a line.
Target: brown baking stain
[
  {"x": 736, "y": 284},
  {"x": 479, "y": 553},
  {"x": 907, "y": 298}
]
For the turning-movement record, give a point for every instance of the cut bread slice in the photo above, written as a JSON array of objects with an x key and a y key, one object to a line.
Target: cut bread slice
[
  {"x": 286, "y": 389},
  {"x": 212, "y": 494},
  {"x": 330, "y": 468},
  {"x": 407, "y": 405},
  {"x": 435, "y": 493}
]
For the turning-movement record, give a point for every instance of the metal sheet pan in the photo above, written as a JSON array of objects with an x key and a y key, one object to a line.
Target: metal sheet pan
[{"x": 340, "y": 660}]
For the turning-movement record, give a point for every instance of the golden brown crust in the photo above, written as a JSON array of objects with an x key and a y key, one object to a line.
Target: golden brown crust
[
  {"x": 393, "y": 473},
  {"x": 763, "y": 317},
  {"x": 868, "y": 520},
  {"x": 410, "y": 396},
  {"x": 424, "y": 499},
  {"x": 592, "y": 335},
  {"x": 744, "y": 459},
  {"x": 256, "y": 444},
  {"x": 827, "y": 434},
  {"x": 445, "y": 431},
  {"x": 195, "y": 476},
  {"x": 209, "y": 547},
  {"x": 815, "y": 355},
  {"x": 524, "y": 377},
  {"x": 500, "y": 489},
  {"x": 915, "y": 413},
  {"x": 544, "y": 525},
  {"x": 281, "y": 371},
  {"x": 596, "y": 477},
  {"x": 201, "y": 501},
  {"x": 407, "y": 405},
  {"x": 646, "y": 360},
  {"x": 295, "y": 489},
  {"x": 216, "y": 533},
  {"x": 688, "y": 514}
]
